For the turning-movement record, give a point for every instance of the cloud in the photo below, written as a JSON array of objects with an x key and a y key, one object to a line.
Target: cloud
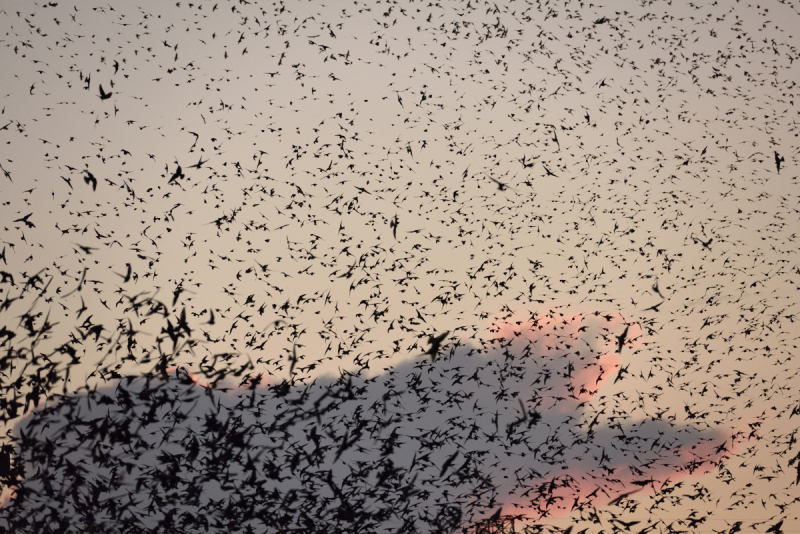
[{"x": 514, "y": 424}]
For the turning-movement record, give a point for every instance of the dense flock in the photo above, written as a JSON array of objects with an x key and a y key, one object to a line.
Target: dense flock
[{"x": 399, "y": 266}]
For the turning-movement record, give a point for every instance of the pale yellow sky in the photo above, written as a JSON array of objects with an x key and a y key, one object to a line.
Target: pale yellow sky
[{"x": 536, "y": 156}]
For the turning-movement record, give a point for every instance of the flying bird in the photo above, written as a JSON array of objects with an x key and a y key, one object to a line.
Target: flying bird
[
  {"x": 177, "y": 175},
  {"x": 25, "y": 220},
  {"x": 622, "y": 338},
  {"x": 435, "y": 342},
  {"x": 90, "y": 180},
  {"x": 103, "y": 94},
  {"x": 778, "y": 160}
]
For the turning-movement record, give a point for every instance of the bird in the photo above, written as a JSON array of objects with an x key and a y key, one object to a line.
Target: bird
[
  {"x": 90, "y": 180},
  {"x": 622, "y": 338},
  {"x": 435, "y": 342},
  {"x": 5, "y": 463},
  {"x": 706, "y": 244},
  {"x": 655, "y": 306},
  {"x": 778, "y": 160},
  {"x": 176, "y": 175},
  {"x": 25, "y": 220},
  {"x": 500, "y": 185},
  {"x": 655, "y": 288},
  {"x": 103, "y": 95},
  {"x": 199, "y": 164},
  {"x": 127, "y": 276}
]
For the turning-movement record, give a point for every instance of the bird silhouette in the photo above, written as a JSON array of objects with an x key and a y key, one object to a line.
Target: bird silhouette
[
  {"x": 435, "y": 342},
  {"x": 90, "y": 180},
  {"x": 103, "y": 94},
  {"x": 778, "y": 160}
]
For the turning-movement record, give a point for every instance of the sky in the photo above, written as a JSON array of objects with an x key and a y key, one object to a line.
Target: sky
[{"x": 297, "y": 190}]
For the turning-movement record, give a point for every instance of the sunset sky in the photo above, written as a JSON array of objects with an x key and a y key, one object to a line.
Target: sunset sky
[{"x": 339, "y": 181}]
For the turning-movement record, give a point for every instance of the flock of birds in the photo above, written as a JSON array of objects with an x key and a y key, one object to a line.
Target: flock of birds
[{"x": 396, "y": 266}]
